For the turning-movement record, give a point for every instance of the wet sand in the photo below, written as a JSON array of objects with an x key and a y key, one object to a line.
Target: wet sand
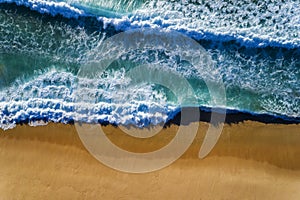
[{"x": 250, "y": 161}]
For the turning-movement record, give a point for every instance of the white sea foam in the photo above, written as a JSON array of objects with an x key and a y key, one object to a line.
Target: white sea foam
[
  {"x": 255, "y": 83},
  {"x": 50, "y": 7},
  {"x": 250, "y": 23},
  {"x": 48, "y": 98}
]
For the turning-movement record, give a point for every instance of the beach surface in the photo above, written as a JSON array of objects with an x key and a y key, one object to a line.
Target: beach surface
[{"x": 250, "y": 161}]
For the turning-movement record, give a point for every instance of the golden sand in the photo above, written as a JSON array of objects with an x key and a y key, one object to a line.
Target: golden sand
[{"x": 250, "y": 161}]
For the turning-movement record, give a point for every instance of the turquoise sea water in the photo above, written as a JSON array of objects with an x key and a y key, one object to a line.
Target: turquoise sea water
[{"x": 254, "y": 45}]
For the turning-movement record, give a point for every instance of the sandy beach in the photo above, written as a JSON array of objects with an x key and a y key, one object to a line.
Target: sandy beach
[{"x": 250, "y": 161}]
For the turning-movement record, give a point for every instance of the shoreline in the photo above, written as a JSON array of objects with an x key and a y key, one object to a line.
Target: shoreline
[
  {"x": 251, "y": 160},
  {"x": 230, "y": 116}
]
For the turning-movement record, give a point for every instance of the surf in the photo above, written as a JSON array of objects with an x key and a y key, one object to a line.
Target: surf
[
  {"x": 260, "y": 24},
  {"x": 46, "y": 42}
]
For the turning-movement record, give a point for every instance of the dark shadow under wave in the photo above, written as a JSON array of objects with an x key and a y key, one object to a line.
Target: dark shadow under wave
[{"x": 236, "y": 116}]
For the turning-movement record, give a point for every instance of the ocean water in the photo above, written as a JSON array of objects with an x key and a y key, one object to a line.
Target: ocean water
[{"x": 254, "y": 47}]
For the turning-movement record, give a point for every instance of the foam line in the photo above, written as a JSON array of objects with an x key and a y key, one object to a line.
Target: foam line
[{"x": 276, "y": 28}]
